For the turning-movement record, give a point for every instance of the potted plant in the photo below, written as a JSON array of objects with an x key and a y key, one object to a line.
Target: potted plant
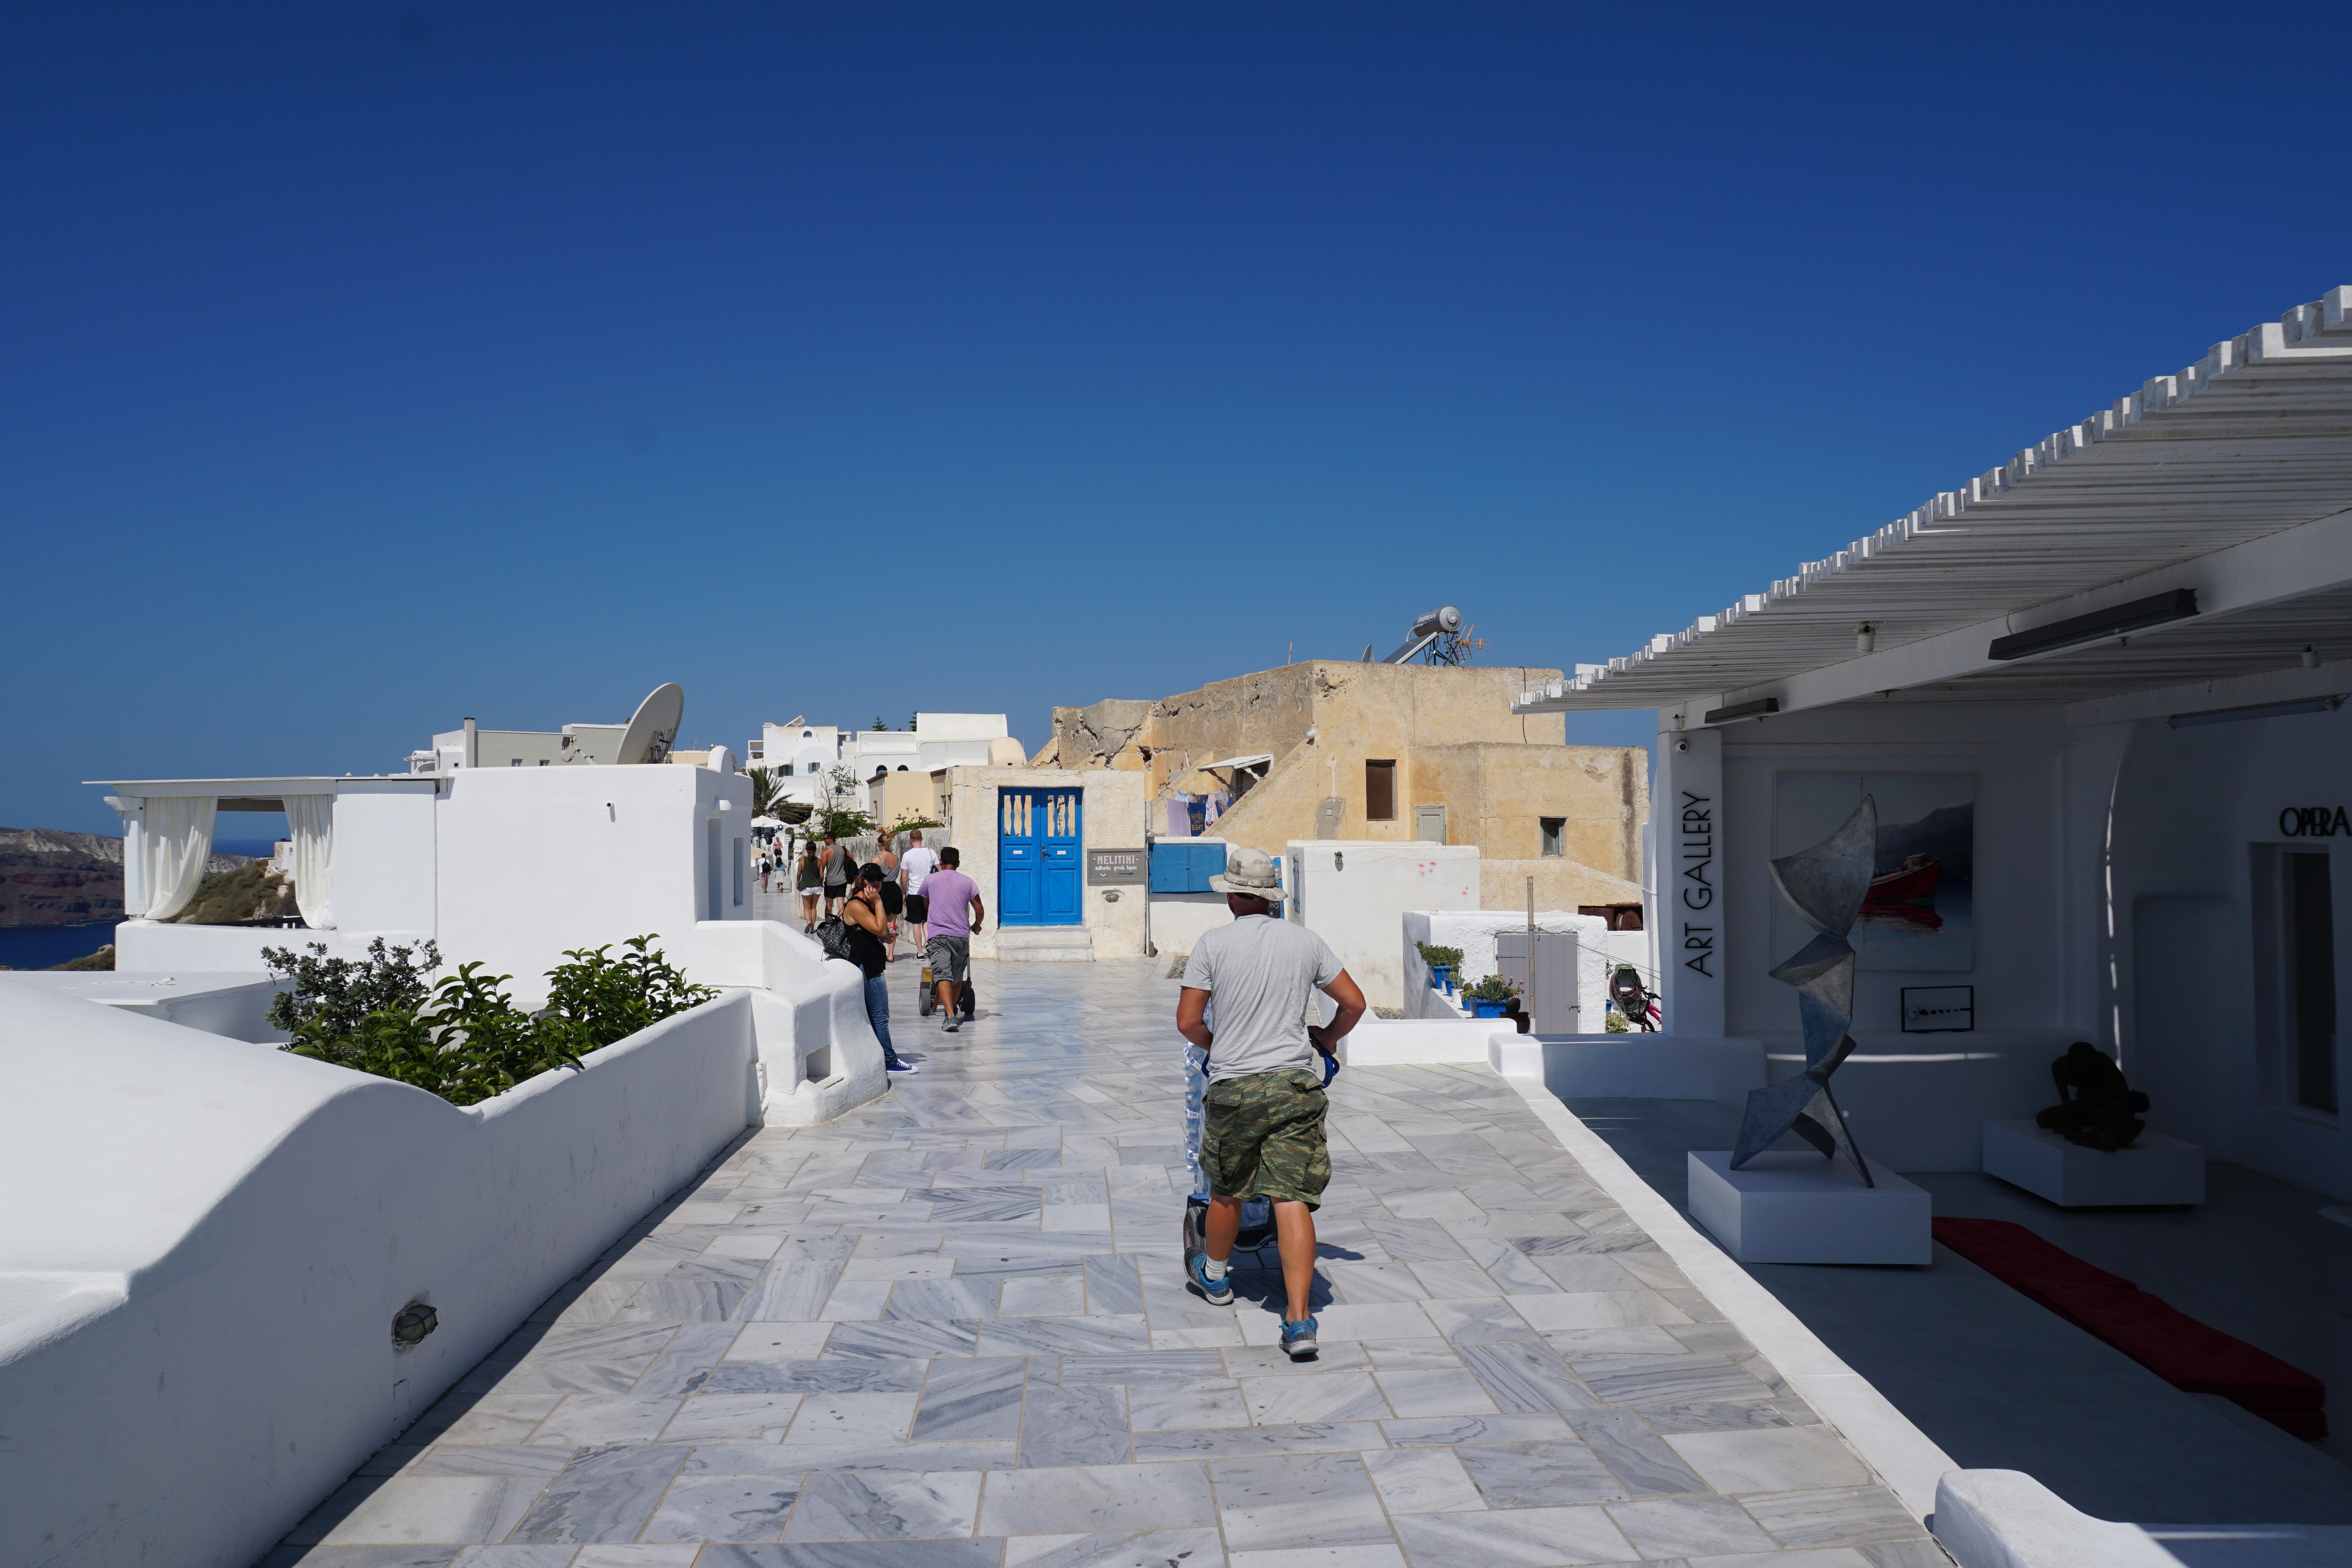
[
  {"x": 1442, "y": 963},
  {"x": 1492, "y": 996}
]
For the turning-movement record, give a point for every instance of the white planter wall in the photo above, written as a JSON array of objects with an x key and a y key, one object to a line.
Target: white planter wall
[{"x": 196, "y": 1316}]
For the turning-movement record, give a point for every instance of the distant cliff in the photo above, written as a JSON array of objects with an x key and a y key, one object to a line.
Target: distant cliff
[{"x": 68, "y": 879}]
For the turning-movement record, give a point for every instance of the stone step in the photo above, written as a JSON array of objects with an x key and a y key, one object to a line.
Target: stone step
[{"x": 1044, "y": 944}]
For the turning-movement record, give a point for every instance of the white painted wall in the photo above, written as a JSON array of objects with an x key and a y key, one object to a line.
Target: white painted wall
[
  {"x": 1355, "y": 893},
  {"x": 383, "y": 871},
  {"x": 510, "y": 866},
  {"x": 197, "y": 1313},
  {"x": 1474, "y": 931},
  {"x": 205, "y": 1300},
  {"x": 1917, "y": 1101},
  {"x": 1179, "y": 920},
  {"x": 235, "y": 1006},
  {"x": 2195, "y": 986},
  {"x": 1112, "y": 818}
]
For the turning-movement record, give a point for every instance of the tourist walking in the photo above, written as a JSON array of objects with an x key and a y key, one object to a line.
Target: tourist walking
[
  {"x": 840, "y": 865},
  {"x": 1262, "y": 1133},
  {"x": 863, "y": 914},
  {"x": 915, "y": 865},
  {"x": 810, "y": 881},
  {"x": 955, "y": 913}
]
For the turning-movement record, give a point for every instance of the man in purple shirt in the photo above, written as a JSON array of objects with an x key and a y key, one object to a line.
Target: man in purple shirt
[{"x": 949, "y": 951}]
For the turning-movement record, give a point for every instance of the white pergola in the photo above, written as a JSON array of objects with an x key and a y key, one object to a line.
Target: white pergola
[{"x": 2231, "y": 480}]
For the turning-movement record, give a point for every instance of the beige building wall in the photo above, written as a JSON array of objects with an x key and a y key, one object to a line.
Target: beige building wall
[
  {"x": 1112, "y": 817},
  {"x": 1455, "y": 742}
]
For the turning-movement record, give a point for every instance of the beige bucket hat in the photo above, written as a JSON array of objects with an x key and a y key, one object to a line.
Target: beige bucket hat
[{"x": 1251, "y": 873}]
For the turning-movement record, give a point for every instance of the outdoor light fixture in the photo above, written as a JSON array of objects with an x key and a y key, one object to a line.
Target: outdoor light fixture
[
  {"x": 2310, "y": 657},
  {"x": 2138, "y": 616},
  {"x": 1866, "y": 638},
  {"x": 1756, "y": 709},
  {"x": 2258, "y": 710},
  {"x": 415, "y": 1320}
]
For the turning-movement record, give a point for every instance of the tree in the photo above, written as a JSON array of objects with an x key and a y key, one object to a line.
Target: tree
[
  {"x": 836, "y": 813},
  {"x": 767, "y": 790},
  {"x": 878, "y": 724}
]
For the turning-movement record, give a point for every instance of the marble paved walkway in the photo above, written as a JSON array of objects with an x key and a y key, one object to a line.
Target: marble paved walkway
[{"x": 950, "y": 1330}]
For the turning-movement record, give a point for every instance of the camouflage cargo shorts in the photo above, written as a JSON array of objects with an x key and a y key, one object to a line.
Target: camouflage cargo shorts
[{"x": 1262, "y": 1137}]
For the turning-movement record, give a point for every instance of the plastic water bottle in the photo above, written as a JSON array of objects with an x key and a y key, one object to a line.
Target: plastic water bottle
[{"x": 1196, "y": 1091}]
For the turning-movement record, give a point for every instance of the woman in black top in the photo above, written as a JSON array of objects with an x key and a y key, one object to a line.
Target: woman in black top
[{"x": 868, "y": 926}]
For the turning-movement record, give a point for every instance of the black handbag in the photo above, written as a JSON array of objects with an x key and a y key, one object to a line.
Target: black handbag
[{"x": 833, "y": 935}]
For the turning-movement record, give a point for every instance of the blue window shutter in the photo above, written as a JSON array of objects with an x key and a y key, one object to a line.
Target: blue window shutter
[{"x": 1171, "y": 868}]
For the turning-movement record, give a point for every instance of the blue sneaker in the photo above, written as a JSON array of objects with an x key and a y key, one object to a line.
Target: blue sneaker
[
  {"x": 1298, "y": 1339},
  {"x": 1219, "y": 1292}
]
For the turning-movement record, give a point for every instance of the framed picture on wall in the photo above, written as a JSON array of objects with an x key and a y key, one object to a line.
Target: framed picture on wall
[
  {"x": 1919, "y": 914},
  {"x": 1939, "y": 1009}
]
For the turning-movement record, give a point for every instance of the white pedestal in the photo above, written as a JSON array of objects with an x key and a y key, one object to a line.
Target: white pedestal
[
  {"x": 2154, "y": 1169},
  {"x": 1796, "y": 1207}
]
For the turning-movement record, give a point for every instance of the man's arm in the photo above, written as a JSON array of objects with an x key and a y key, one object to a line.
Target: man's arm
[
  {"x": 1191, "y": 1010},
  {"x": 1344, "y": 992},
  {"x": 979, "y": 913}
]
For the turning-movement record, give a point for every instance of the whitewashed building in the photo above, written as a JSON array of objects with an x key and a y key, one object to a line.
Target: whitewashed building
[
  {"x": 202, "y": 1234},
  {"x": 2095, "y": 693}
]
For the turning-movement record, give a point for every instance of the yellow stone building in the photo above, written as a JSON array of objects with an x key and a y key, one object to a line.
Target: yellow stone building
[{"x": 1333, "y": 749}]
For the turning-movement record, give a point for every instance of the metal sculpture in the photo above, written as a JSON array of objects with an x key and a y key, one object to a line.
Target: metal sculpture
[{"x": 1827, "y": 884}]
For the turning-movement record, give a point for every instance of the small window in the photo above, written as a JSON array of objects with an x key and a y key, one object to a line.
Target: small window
[
  {"x": 542, "y": 762},
  {"x": 1553, "y": 827},
  {"x": 516, "y": 763},
  {"x": 1380, "y": 791}
]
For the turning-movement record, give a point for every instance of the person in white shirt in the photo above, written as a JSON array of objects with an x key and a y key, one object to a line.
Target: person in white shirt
[
  {"x": 1263, "y": 1118},
  {"x": 914, "y": 865}
]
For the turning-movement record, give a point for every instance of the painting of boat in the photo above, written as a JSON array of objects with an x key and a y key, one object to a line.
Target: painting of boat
[
  {"x": 1913, "y": 882},
  {"x": 1918, "y": 912}
]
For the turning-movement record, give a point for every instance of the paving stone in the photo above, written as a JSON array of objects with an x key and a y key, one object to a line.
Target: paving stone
[{"x": 950, "y": 1331}]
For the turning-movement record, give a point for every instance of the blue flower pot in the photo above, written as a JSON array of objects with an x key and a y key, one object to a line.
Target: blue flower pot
[
  {"x": 1441, "y": 977},
  {"x": 1489, "y": 1010}
]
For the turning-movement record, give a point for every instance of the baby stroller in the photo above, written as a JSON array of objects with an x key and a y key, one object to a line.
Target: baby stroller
[{"x": 1257, "y": 1213}]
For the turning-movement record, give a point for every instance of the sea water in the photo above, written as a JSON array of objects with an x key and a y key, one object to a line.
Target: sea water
[{"x": 45, "y": 947}]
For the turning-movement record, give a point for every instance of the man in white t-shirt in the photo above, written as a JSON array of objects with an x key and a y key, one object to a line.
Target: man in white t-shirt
[
  {"x": 914, "y": 865},
  {"x": 1261, "y": 1132}
]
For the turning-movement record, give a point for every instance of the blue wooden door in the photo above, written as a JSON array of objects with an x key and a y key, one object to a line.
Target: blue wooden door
[{"x": 1038, "y": 860}]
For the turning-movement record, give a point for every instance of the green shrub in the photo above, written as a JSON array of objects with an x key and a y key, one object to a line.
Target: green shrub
[
  {"x": 595, "y": 1000},
  {"x": 464, "y": 1039},
  {"x": 1434, "y": 955},
  {"x": 328, "y": 998}
]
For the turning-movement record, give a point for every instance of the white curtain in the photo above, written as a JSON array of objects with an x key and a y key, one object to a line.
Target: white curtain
[
  {"x": 175, "y": 839},
  {"x": 311, "y": 821}
]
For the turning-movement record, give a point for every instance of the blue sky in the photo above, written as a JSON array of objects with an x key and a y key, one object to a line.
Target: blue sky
[{"x": 368, "y": 366}]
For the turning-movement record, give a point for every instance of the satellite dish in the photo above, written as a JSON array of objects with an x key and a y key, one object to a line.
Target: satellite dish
[{"x": 653, "y": 725}]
